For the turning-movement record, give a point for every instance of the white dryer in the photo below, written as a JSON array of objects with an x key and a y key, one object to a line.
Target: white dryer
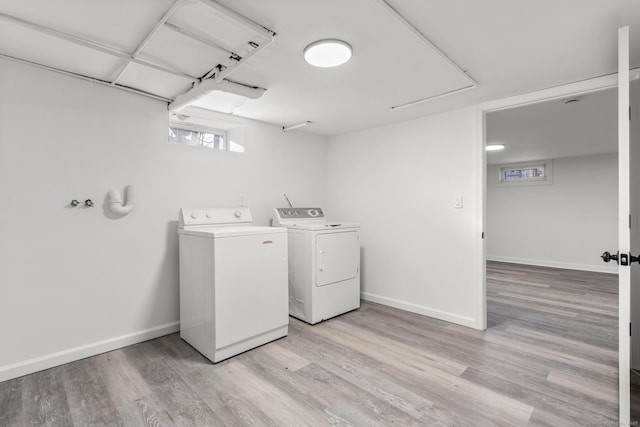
[
  {"x": 233, "y": 281},
  {"x": 324, "y": 264}
]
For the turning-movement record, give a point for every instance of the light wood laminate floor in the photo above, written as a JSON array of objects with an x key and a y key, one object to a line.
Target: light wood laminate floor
[{"x": 548, "y": 358}]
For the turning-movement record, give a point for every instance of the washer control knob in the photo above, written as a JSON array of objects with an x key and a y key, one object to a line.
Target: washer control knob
[
  {"x": 312, "y": 212},
  {"x": 194, "y": 216},
  {"x": 208, "y": 215},
  {"x": 238, "y": 214}
]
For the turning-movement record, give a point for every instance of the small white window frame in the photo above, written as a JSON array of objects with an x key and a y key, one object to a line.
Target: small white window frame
[
  {"x": 204, "y": 129},
  {"x": 546, "y": 180}
]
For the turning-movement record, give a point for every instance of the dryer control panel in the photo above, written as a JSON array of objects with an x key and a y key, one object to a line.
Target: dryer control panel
[{"x": 299, "y": 213}]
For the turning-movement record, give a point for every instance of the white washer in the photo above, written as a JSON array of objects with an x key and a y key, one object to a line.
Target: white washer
[
  {"x": 324, "y": 264},
  {"x": 233, "y": 281}
]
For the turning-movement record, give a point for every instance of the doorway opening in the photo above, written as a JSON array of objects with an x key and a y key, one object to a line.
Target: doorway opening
[
  {"x": 551, "y": 193},
  {"x": 536, "y": 250},
  {"x": 551, "y": 210}
]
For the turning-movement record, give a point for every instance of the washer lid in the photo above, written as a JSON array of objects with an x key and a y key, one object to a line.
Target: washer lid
[{"x": 231, "y": 231}]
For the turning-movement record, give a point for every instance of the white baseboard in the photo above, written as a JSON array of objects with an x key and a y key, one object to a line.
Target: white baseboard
[
  {"x": 420, "y": 309},
  {"x": 70, "y": 355},
  {"x": 604, "y": 268}
]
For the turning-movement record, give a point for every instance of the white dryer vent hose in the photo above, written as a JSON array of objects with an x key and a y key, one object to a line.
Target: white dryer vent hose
[{"x": 116, "y": 203}]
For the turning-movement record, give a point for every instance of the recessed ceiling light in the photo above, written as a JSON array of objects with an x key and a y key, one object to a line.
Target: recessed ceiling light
[
  {"x": 327, "y": 53},
  {"x": 494, "y": 147}
]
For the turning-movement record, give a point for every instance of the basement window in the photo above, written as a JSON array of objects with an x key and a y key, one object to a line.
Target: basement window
[
  {"x": 207, "y": 138},
  {"x": 197, "y": 135},
  {"x": 534, "y": 173}
]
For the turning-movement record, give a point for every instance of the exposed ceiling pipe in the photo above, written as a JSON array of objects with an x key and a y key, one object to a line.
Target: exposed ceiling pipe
[
  {"x": 431, "y": 98},
  {"x": 210, "y": 85},
  {"x": 472, "y": 84},
  {"x": 148, "y": 38},
  {"x": 216, "y": 44},
  {"x": 248, "y": 23},
  {"x": 85, "y": 78},
  {"x": 215, "y": 79},
  {"x": 94, "y": 45},
  {"x": 422, "y": 38},
  {"x": 220, "y": 75}
]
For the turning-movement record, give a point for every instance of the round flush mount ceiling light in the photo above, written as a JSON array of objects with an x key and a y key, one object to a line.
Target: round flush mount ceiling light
[
  {"x": 494, "y": 147},
  {"x": 327, "y": 53}
]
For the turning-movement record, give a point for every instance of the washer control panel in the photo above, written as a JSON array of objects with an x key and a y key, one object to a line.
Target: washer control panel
[
  {"x": 214, "y": 216},
  {"x": 299, "y": 213}
]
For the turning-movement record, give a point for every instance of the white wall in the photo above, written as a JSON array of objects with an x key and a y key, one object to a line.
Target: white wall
[
  {"x": 77, "y": 281},
  {"x": 399, "y": 182},
  {"x": 567, "y": 224}
]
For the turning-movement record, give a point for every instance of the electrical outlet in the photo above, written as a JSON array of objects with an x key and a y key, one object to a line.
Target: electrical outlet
[{"x": 457, "y": 202}]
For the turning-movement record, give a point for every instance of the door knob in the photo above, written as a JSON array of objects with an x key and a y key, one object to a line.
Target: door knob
[
  {"x": 619, "y": 258},
  {"x": 606, "y": 257}
]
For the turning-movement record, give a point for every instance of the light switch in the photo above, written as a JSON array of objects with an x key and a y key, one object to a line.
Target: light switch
[{"x": 457, "y": 202}]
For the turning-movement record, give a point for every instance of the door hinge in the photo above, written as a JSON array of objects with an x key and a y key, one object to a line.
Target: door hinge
[
  {"x": 629, "y": 112},
  {"x": 482, "y": 235},
  {"x": 629, "y": 221},
  {"x": 629, "y": 328}
]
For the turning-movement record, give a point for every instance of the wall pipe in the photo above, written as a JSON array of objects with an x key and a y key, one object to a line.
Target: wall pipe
[{"x": 116, "y": 203}]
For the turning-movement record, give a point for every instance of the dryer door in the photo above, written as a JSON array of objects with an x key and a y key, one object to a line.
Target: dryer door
[{"x": 337, "y": 257}]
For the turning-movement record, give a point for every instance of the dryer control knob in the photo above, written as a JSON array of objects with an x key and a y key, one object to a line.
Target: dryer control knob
[
  {"x": 194, "y": 216},
  {"x": 238, "y": 214},
  {"x": 208, "y": 215}
]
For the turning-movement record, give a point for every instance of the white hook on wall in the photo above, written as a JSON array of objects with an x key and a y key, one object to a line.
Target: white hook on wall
[{"x": 116, "y": 203}]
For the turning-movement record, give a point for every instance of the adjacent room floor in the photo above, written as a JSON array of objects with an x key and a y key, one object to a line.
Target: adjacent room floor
[{"x": 549, "y": 357}]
